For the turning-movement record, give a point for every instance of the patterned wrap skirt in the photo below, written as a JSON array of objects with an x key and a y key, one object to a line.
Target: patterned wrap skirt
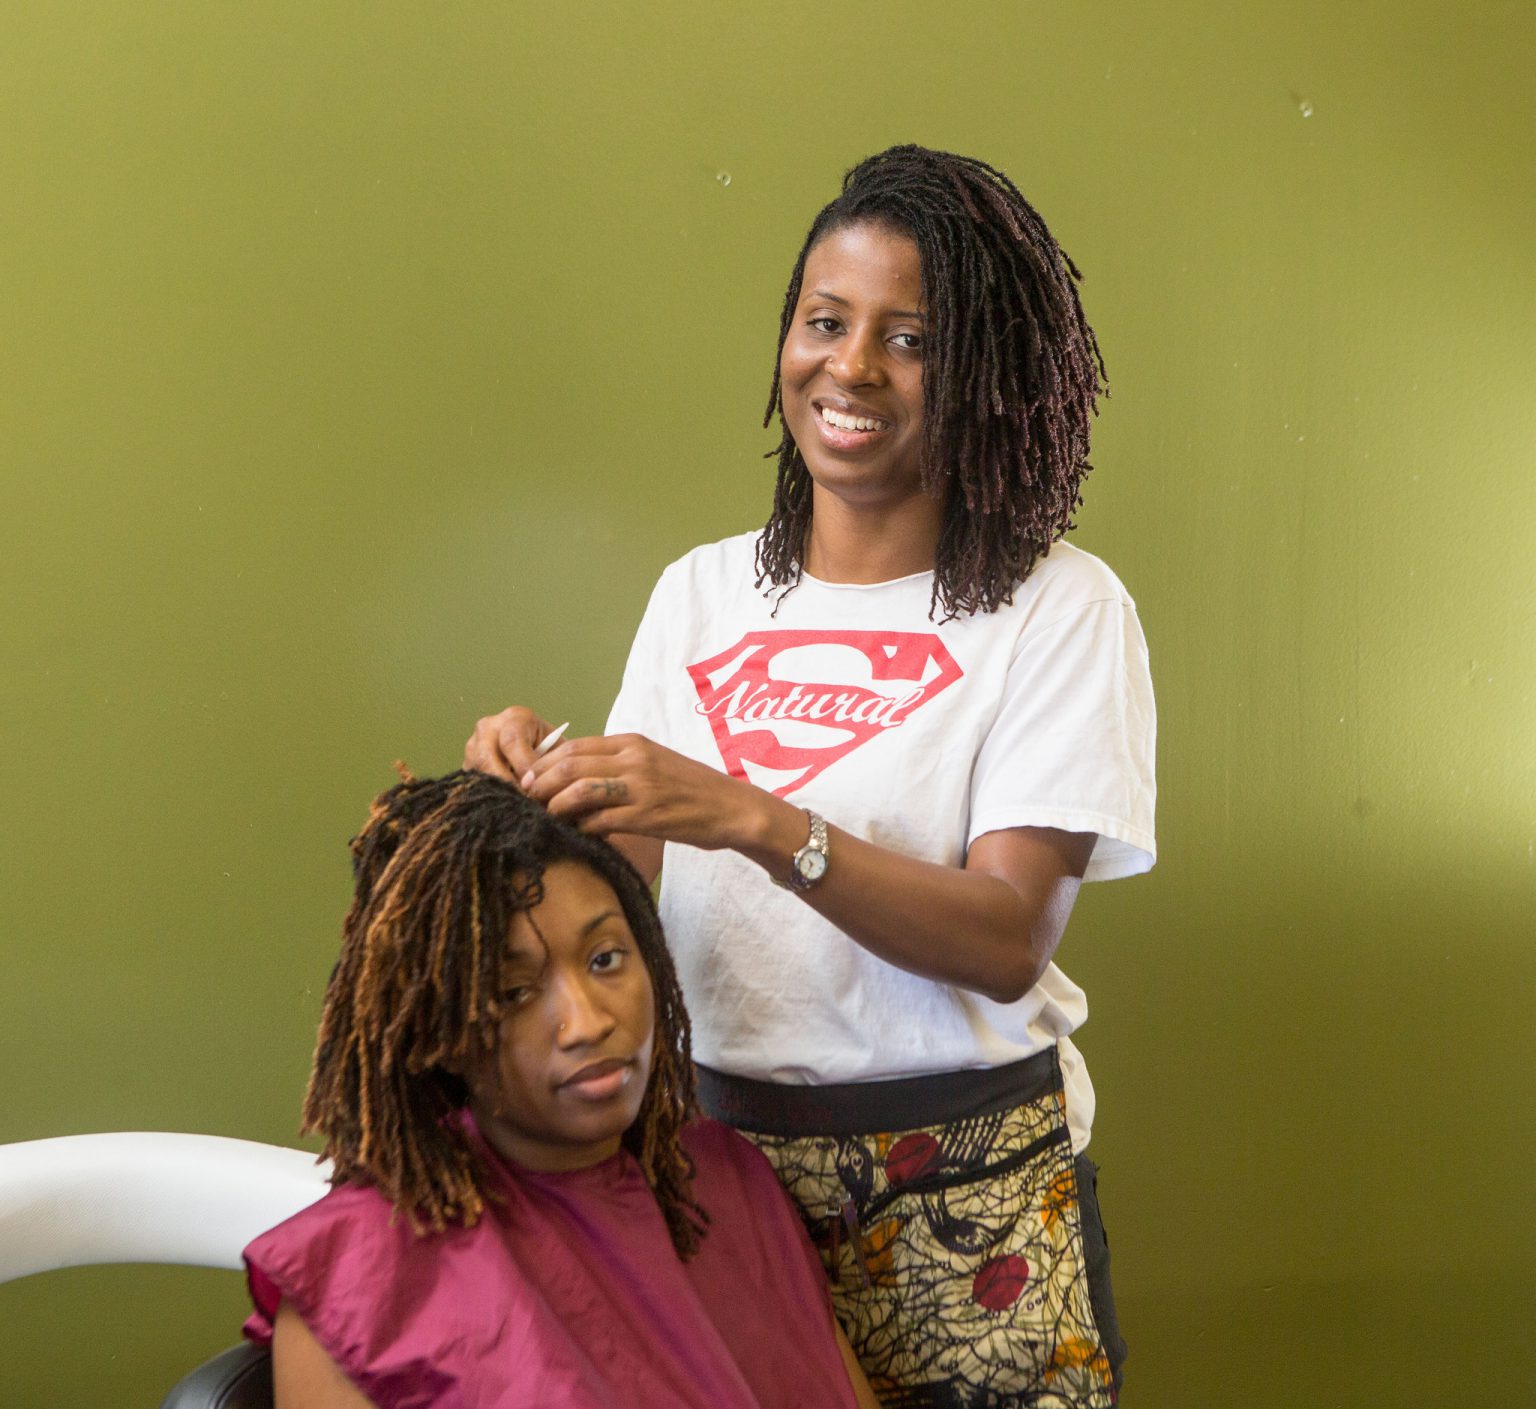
[{"x": 962, "y": 1240}]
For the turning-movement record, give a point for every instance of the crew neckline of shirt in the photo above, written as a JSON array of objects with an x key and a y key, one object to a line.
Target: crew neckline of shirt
[
  {"x": 864, "y": 586},
  {"x": 618, "y": 1170},
  {"x": 615, "y": 1170}
]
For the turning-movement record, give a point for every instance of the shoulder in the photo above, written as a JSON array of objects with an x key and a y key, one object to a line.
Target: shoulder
[
  {"x": 711, "y": 578},
  {"x": 347, "y": 1211},
  {"x": 352, "y": 1233},
  {"x": 727, "y": 558},
  {"x": 294, "y": 1261},
  {"x": 734, "y": 1183},
  {"x": 725, "y": 1160},
  {"x": 1069, "y": 578},
  {"x": 709, "y": 1144}
]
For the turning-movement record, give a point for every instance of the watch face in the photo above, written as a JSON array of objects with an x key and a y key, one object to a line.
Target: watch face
[{"x": 812, "y": 865}]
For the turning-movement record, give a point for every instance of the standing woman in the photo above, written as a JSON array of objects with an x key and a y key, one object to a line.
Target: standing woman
[{"x": 880, "y": 745}]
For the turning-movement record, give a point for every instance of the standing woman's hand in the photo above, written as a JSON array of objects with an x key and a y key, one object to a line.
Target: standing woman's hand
[
  {"x": 503, "y": 744},
  {"x": 625, "y": 783}
]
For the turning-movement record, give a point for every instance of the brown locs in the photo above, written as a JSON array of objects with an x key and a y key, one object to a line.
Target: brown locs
[
  {"x": 1011, "y": 374},
  {"x": 441, "y": 868}
]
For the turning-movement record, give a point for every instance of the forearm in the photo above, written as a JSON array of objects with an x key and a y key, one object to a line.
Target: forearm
[
  {"x": 643, "y": 853},
  {"x": 967, "y": 927}
]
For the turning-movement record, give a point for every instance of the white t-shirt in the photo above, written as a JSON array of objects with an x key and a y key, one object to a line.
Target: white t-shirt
[{"x": 915, "y": 735}]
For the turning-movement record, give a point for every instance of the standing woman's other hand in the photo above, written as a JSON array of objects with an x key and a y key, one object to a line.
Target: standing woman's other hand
[{"x": 503, "y": 744}]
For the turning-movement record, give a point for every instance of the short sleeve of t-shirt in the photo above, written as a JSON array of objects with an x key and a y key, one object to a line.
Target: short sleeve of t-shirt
[
  {"x": 1074, "y": 740},
  {"x": 640, "y": 699}
]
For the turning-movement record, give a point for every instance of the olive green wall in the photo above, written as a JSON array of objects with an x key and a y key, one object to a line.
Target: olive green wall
[{"x": 362, "y": 364}]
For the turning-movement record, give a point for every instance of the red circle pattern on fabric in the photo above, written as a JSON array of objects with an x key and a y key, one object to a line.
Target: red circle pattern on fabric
[
  {"x": 1000, "y": 1282},
  {"x": 911, "y": 1157}
]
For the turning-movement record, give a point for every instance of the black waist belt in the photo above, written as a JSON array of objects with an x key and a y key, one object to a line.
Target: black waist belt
[{"x": 875, "y": 1107}]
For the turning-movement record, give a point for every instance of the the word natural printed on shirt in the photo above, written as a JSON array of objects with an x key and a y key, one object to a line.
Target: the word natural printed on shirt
[{"x": 786, "y": 705}]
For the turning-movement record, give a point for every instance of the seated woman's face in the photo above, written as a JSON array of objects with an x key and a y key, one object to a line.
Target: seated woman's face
[{"x": 568, "y": 1073}]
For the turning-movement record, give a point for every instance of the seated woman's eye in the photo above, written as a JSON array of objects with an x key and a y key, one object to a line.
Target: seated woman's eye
[
  {"x": 824, "y": 325},
  {"x": 910, "y": 342},
  {"x": 517, "y": 995},
  {"x": 608, "y": 960}
]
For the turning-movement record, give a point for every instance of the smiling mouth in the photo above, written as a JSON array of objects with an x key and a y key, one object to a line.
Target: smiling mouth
[{"x": 842, "y": 421}]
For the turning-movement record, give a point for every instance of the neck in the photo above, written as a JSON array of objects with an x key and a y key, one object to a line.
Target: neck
[
  {"x": 540, "y": 1156},
  {"x": 857, "y": 544}
]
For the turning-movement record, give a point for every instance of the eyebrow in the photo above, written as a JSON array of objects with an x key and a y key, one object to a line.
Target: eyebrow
[
  {"x": 526, "y": 956},
  {"x": 842, "y": 302},
  {"x": 598, "y": 920}
]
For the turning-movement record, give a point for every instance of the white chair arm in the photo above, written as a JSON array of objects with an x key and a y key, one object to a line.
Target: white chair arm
[{"x": 145, "y": 1197}]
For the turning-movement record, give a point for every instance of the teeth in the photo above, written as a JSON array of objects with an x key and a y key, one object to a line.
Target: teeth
[{"x": 849, "y": 423}]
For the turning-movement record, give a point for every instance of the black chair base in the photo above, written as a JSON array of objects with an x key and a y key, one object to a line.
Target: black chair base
[{"x": 238, "y": 1378}]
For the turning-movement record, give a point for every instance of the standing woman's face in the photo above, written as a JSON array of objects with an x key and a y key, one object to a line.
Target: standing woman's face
[{"x": 851, "y": 372}]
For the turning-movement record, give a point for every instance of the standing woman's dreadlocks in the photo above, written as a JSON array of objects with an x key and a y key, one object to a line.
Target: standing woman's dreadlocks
[
  {"x": 442, "y": 867},
  {"x": 1011, "y": 374}
]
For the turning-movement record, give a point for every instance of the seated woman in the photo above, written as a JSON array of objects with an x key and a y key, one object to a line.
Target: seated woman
[{"x": 526, "y": 1212}]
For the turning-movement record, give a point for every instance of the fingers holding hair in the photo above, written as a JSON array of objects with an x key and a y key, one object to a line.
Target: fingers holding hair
[{"x": 504, "y": 745}]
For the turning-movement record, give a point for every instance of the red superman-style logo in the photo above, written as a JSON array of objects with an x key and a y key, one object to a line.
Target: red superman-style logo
[{"x": 786, "y": 705}]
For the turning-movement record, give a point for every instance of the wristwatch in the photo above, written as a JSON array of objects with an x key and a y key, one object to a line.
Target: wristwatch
[{"x": 810, "y": 862}]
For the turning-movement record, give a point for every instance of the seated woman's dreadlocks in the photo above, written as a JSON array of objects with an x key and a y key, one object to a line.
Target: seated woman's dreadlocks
[{"x": 442, "y": 867}]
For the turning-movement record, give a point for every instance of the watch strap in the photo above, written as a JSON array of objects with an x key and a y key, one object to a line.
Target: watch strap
[
  {"x": 816, "y": 845},
  {"x": 804, "y": 871}
]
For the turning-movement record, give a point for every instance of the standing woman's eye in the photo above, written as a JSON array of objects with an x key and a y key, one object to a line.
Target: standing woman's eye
[
  {"x": 517, "y": 995},
  {"x": 823, "y": 324},
  {"x": 912, "y": 342},
  {"x": 608, "y": 960}
]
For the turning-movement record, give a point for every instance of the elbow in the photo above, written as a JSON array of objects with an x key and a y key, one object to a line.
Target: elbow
[
  {"x": 1011, "y": 985},
  {"x": 1019, "y": 963},
  {"x": 1012, "y": 947},
  {"x": 1006, "y": 993}
]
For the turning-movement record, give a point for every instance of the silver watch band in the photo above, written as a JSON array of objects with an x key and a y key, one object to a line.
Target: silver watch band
[{"x": 809, "y": 864}]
